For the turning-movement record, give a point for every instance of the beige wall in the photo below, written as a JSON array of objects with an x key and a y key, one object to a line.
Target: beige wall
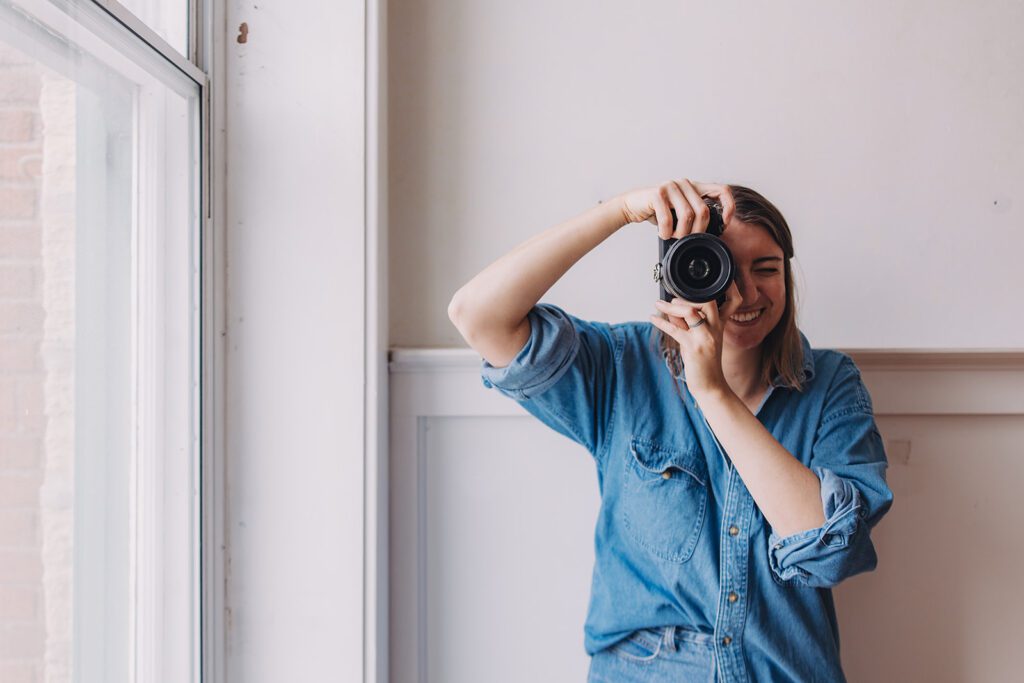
[{"x": 887, "y": 133}]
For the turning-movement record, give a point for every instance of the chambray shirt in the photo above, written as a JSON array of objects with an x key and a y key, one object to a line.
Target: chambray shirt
[{"x": 679, "y": 540}]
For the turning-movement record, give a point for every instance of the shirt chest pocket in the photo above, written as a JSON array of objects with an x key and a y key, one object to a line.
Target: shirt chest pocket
[{"x": 664, "y": 498}]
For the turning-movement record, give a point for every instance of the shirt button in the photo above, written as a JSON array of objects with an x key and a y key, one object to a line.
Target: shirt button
[
  {"x": 726, "y": 640},
  {"x": 733, "y": 530},
  {"x": 733, "y": 597},
  {"x": 666, "y": 475}
]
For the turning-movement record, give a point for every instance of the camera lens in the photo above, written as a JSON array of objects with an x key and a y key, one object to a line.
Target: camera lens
[{"x": 698, "y": 268}]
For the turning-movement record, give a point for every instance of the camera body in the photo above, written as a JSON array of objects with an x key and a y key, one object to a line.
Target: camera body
[{"x": 699, "y": 267}]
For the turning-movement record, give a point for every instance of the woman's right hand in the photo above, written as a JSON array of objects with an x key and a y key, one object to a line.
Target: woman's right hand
[{"x": 654, "y": 204}]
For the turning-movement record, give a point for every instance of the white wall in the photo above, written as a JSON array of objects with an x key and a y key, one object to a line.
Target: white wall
[
  {"x": 887, "y": 133},
  {"x": 294, "y": 424}
]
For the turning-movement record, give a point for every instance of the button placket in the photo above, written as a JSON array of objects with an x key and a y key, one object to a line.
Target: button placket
[{"x": 735, "y": 557}]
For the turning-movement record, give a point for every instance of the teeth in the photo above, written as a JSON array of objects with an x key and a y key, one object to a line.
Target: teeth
[{"x": 746, "y": 317}]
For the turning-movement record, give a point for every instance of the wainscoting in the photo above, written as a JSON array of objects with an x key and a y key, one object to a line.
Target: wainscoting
[{"x": 492, "y": 514}]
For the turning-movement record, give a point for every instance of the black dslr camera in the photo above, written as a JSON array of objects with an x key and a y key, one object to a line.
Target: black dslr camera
[{"x": 699, "y": 267}]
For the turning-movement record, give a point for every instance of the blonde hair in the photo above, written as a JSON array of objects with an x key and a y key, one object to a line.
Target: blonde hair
[{"x": 782, "y": 350}]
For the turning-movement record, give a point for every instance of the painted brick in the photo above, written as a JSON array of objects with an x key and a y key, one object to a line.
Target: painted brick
[
  {"x": 18, "y": 356},
  {"x": 19, "y": 489},
  {"x": 19, "y": 565},
  {"x": 24, "y": 671},
  {"x": 19, "y": 529},
  {"x": 18, "y": 202},
  {"x": 8, "y": 408},
  {"x": 19, "y": 241},
  {"x": 19, "y": 452},
  {"x": 29, "y": 406},
  {"x": 20, "y": 163},
  {"x": 17, "y": 126},
  {"x": 25, "y": 317},
  {"x": 22, "y": 641},
  {"x": 17, "y": 281},
  {"x": 19, "y": 601}
]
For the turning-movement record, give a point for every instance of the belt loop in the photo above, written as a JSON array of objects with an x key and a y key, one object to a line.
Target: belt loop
[{"x": 670, "y": 638}]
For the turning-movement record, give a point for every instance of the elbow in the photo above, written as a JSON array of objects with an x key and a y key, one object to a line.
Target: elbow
[
  {"x": 461, "y": 317},
  {"x": 454, "y": 307},
  {"x": 457, "y": 313}
]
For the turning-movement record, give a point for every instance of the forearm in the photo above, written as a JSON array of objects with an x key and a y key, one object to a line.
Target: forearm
[
  {"x": 787, "y": 493},
  {"x": 503, "y": 293}
]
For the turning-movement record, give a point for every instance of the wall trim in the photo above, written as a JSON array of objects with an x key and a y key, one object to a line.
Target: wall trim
[{"x": 901, "y": 382}]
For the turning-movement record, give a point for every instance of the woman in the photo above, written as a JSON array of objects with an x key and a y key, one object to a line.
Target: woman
[{"x": 726, "y": 517}]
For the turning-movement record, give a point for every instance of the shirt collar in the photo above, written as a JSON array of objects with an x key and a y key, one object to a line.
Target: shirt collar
[{"x": 808, "y": 365}]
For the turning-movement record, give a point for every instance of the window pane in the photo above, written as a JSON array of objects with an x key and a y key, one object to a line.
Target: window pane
[
  {"x": 99, "y": 209},
  {"x": 167, "y": 18}
]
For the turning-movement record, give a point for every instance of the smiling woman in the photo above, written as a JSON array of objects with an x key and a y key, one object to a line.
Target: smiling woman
[
  {"x": 754, "y": 352},
  {"x": 719, "y": 512}
]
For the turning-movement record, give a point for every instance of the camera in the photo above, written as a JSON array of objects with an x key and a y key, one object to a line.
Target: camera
[{"x": 699, "y": 267}]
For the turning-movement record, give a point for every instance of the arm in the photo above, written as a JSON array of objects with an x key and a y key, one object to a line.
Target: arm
[
  {"x": 821, "y": 516},
  {"x": 787, "y": 493},
  {"x": 490, "y": 310}
]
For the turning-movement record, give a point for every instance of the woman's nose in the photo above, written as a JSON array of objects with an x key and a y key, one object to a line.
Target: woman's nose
[{"x": 748, "y": 292}]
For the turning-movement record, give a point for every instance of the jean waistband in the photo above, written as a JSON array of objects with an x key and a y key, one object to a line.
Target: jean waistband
[{"x": 674, "y": 636}]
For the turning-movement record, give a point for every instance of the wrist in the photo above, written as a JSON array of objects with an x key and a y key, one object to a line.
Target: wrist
[
  {"x": 618, "y": 203},
  {"x": 717, "y": 394}
]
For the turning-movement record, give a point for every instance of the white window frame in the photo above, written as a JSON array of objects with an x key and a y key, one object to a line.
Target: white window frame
[
  {"x": 207, "y": 624},
  {"x": 208, "y": 632}
]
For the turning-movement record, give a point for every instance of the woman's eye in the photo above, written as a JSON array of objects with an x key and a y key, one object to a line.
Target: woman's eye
[{"x": 767, "y": 270}]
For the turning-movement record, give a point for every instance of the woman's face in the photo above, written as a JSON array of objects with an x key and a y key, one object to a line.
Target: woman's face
[{"x": 760, "y": 280}]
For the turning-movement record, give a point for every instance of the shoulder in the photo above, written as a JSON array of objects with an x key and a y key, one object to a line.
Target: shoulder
[{"x": 839, "y": 378}]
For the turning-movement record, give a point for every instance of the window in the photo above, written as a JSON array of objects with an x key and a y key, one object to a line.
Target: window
[{"x": 99, "y": 363}]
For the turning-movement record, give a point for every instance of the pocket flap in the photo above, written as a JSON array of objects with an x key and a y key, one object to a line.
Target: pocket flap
[{"x": 658, "y": 459}]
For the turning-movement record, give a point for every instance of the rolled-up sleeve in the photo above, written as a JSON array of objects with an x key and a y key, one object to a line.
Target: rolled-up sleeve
[
  {"x": 849, "y": 460},
  {"x": 564, "y": 375}
]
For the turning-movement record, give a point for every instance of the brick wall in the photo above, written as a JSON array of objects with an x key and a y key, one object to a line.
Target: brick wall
[
  {"x": 22, "y": 623},
  {"x": 36, "y": 298}
]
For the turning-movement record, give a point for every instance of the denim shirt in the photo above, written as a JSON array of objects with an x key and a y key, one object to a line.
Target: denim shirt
[{"x": 679, "y": 540}]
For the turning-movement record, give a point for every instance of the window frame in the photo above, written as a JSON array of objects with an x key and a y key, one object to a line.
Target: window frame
[
  {"x": 200, "y": 66},
  {"x": 207, "y": 624}
]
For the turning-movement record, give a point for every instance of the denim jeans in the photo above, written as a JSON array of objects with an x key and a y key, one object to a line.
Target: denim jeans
[{"x": 656, "y": 655}]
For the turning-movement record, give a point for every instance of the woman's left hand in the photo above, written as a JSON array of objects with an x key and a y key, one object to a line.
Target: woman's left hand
[{"x": 701, "y": 347}]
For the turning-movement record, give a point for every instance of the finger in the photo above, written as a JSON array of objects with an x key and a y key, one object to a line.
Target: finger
[
  {"x": 680, "y": 322},
  {"x": 684, "y": 213},
  {"x": 723, "y": 193},
  {"x": 700, "y": 209},
  {"x": 661, "y": 211},
  {"x": 677, "y": 320},
  {"x": 679, "y": 308},
  {"x": 668, "y": 327}
]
